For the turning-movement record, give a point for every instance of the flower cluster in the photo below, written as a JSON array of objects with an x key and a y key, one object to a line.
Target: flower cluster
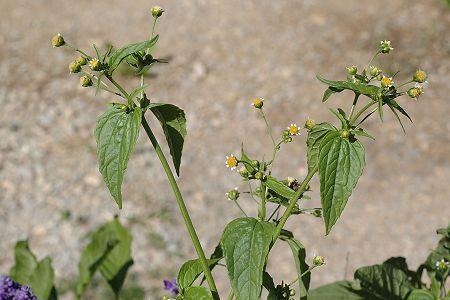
[{"x": 11, "y": 290}]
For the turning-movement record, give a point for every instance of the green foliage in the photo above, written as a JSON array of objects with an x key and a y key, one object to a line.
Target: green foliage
[
  {"x": 421, "y": 295},
  {"x": 173, "y": 122},
  {"x": 119, "y": 55},
  {"x": 341, "y": 290},
  {"x": 190, "y": 271},
  {"x": 370, "y": 91},
  {"x": 38, "y": 275},
  {"x": 341, "y": 162},
  {"x": 245, "y": 243},
  {"x": 315, "y": 136},
  {"x": 197, "y": 293},
  {"x": 109, "y": 251},
  {"x": 116, "y": 134}
]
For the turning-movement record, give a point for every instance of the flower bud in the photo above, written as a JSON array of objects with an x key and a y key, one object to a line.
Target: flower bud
[
  {"x": 344, "y": 134},
  {"x": 353, "y": 70},
  {"x": 374, "y": 71},
  {"x": 233, "y": 195},
  {"x": 157, "y": 11},
  {"x": 255, "y": 164},
  {"x": 58, "y": 41},
  {"x": 442, "y": 265},
  {"x": 420, "y": 76},
  {"x": 82, "y": 61},
  {"x": 95, "y": 65},
  {"x": 318, "y": 261},
  {"x": 292, "y": 292},
  {"x": 414, "y": 92},
  {"x": 379, "y": 77},
  {"x": 74, "y": 67},
  {"x": 243, "y": 172},
  {"x": 85, "y": 81},
  {"x": 385, "y": 47},
  {"x": 309, "y": 124},
  {"x": 317, "y": 213},
  {"x": 259, "y": 175},
  {"x": 258, "y": 103}
]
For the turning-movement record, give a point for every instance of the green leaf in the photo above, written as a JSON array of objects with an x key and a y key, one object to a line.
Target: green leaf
[
  {"x": 299, "y": 253},
  {"x": 39, "y": 276},
  {"x": 197, "y": 293},
  {"x": 314, "y": 138},
  {"x": 341, "y": 117},
  {"x": 370, "y": 91},
  {"x": 173, "y": 122},
  {"x": 341, "y": 290},
  {"x": 116, "y": 135},
  {"x": 361, "y": 132},
  {"x": 279, "y": 187},
  {"x": 138, "y": 90},
  {"x": 190, "y": 271},
  {"x": 341, "y": 163},
  {"x": 390, "y": 280},
  {"x": 108, "y": 251},
  {"x": 330, "y": 91},
  {"x": 119, "y": 55},
  {"x": 245, "y": 243}
]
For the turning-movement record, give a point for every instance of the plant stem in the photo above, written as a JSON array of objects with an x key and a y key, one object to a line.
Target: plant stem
[
  {"x": 262, "y": 209},
  {"x": 120, "y": 88},
  {"x": 268, "y": 127},
  {"x": 355, "y": 100},
  {"x": 183, "y": 209},
  {"x": 240, "y": 207},
  {"x": 292, "y": 203},
  {"x": 358, "y": 114},
  {"x": 301, "y": 275}
]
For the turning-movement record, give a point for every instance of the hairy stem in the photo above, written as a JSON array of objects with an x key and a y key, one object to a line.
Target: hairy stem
[
  {"x": 292, "y": 202},
  {"x": 183, "y": 208}
]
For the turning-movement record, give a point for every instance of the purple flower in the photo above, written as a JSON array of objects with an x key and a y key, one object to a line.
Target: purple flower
[
  {"x": 11, "y": 290},
  {"x": 171, "y": 286}
]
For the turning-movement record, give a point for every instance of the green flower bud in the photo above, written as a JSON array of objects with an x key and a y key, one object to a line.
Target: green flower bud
[
  {"x": 318, "y": 261},
  {"x": 85, "y": 81},
  {"x": 258, "y": 103},
  {"x": 233, "y": 195},
  {"x": 95, "y": 65},
  {"x": 74, "y": 67},
  {"x": 414, "y": 92},
  {"x": 58, "y": 41},
  {"x": 82, "y": 61},
  {"x": 157, "y": 11},
  {"x": 309, "y": 124},
  {"x": 344, "y": 134},
  {"x": 292, "y": 292},
  {"x": 259, "y": 175},
  {"x": 374, "y": 71},
  {"x": 385, "y": 47},
  {"x": 353, "y": 70},
  {"x": 379, "y": 77},
  {"x": 420, "y": 76},
  {"x": 243, "y": 172},
  {"x": 317, "y": 213},
  {"x": 254, "y": 164}
]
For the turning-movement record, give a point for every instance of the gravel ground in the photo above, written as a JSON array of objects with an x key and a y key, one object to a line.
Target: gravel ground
[{"x": 222, "y": 54}]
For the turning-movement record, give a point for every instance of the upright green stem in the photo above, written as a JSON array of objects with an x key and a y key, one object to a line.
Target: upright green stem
[
  {"x": 355, "y": 100},
  {"x": 120, "y": 88},
  {"x": 263, "y": 209},
  {"x": 292, "y": 203},
  {"x": 268, "y": 127},
  {"x": 182, "y": 206},
  {"x": 358, "y": 114}
]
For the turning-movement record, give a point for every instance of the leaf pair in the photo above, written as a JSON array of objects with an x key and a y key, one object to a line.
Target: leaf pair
[
  {"x": 116, "y": 134},
  {"x": 38, "y": 275}
]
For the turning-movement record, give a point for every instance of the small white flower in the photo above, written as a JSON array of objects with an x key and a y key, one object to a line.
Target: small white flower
[
  {"x": 293, "y": 129},
  {"x": 231, "y": 162}
]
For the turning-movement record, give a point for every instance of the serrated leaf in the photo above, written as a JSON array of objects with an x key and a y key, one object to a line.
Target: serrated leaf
[
  {"x": 370, "y": 91},
  {"x": 116, "y": 135},
  {"x": 314, "y": 138},
  {"x": 191, "y": 270},
  {"x": 341, "y": 290},
  {"x": 390, "y": 280},
  {"x": 421, "y": 295},
  {"x": 299, "y": 254},
  {"x": 197, "y": 293},
  {"x": 39, "y": 276},
  {"x": 108, "y": 251},
  {"x": 245, "y": 243},
  {"x": 119, "y": 55},
  {"x": 173, "y": 122},
  {"x": 341, "y": 163}
]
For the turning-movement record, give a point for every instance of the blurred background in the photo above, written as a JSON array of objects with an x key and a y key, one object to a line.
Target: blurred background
[{"x": 222, "y": 54}]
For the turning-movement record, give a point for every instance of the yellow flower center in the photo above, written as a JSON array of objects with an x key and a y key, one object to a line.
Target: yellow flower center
[
  {"x": 420, "y": 76},
  {"x": 293, "y": 130},
  {"x": 386, "y": 81},
  {"x": 232, "y": 161},
  {"x": 257, "y": 102}
]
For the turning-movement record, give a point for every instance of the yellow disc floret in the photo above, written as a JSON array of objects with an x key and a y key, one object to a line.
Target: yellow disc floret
[
  {"x": 258, "y": 102},
  {"x": 231, "y": 162},
  {"x": 420, "y": 76},
  {"x": 293, "y": 129},
  {"x": 386, "y": 81}
]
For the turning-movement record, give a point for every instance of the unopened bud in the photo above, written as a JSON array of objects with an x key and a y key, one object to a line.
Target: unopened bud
[
  {"x": 385, "y": 47},
  {"x": 243, "y": 172},
  {"x": 74, "y": 67},
  {"x": 318, "y": 260},
  {"x": 85, "y": 81},
  {"x": 259, "y": 175},
  {"x": 258, "y": 103},
  {"x": 420, "y": 76},
  {"x": 352, "y": 70},
  {"x": 58, "y": 41},
  {"x": 344, "y": 134},
  {"x": 374, "y": 71},
  {"x": 233, "y": 195},
  {"x": 254, "y": 163},
  {"x": 82, "y": 61},
  {"x": 157, "y": 11},
  {"x": 309, "y": 124}
]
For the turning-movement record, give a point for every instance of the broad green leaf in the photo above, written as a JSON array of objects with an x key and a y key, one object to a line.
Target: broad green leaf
[
  {"x": 108, "y": 251},
  {"x": 39, "y": 276},
  {"x": 173, "y": 122},
  {"x": 279, "y": 187},
  {"x": 341, "y": 163},
  {"x": 119, "y": 55},
  {"x": 41, "y": 280},
  {"x": 25, "y": 263},
  {"x": 299, "y": 253},
  {"x": 245, "y": 243},
  {"x": 370, "y": 91},
  {"x": 197, "y": 293},
  {"x": 390, "y": 280},
  {"x": 116, "y": 135},
  {"x": 314, "y": 138},
  {"x": 190, "y": 271},
  {"x": 341, "y": 290}
]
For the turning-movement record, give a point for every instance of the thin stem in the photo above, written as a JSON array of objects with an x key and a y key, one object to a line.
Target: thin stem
[
  {"x": 358, "y": 114},
  {"x": 268, "y": 127},
  {"x": 251, "y": 192},
  {"x": 262, "y": 209},
  {"x": 242, "y": 210},
  {"x": 153, "y": 28},
  {"x": 292, "y": 203},
  {"x": 183, "y": 209},
  {"x": 371, "y": 60},
  {"x": 274, "y": 212},
  {"x": 78, "y": 50},
  {"x": 303, "y": 274},
  {"x": 352, "y": 110},
  {"x": 405, "y": 83}
]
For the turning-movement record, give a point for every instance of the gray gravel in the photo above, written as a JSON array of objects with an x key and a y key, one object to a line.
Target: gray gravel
[{"x": 223, "y": 53}]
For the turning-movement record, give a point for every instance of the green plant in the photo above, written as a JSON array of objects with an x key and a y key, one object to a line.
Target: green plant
[
  {"x": 334, "y": 153},
  {"x": 393, "y": 280}
]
